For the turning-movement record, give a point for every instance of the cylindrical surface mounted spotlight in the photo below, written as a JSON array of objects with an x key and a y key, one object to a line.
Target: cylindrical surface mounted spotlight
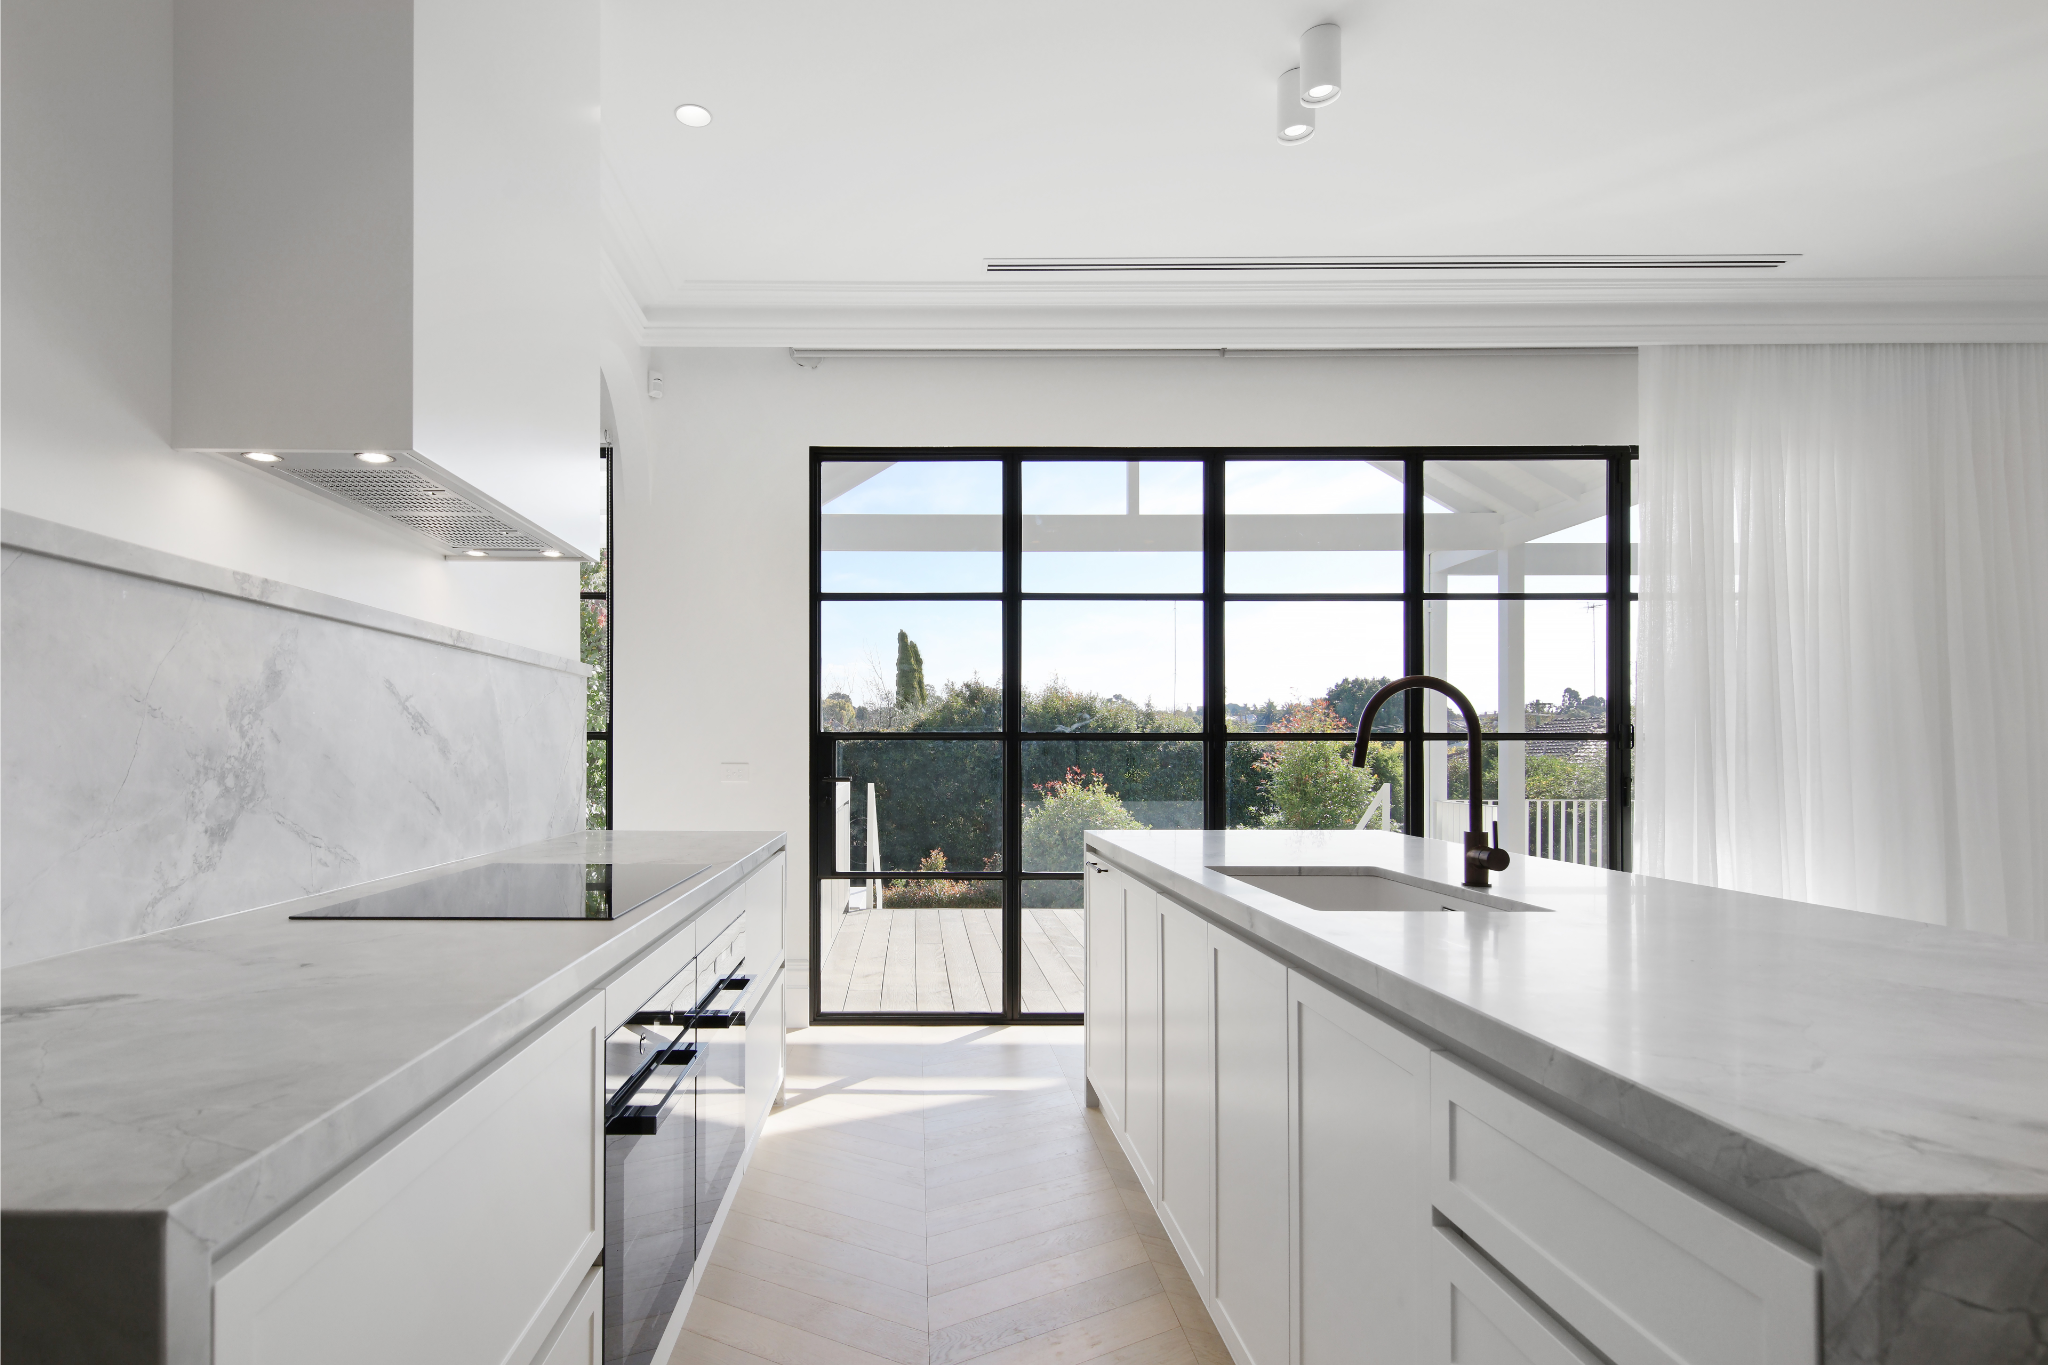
[
  {"x": 1297, "y": 124},
  {"x": 1322, "y": 64}
]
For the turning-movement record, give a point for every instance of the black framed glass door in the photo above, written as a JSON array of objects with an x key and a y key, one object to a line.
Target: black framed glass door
[{"x": 1010, "y": 647}]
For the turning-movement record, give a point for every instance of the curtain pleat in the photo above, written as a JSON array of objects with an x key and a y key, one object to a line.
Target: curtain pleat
[{"x": 1843, "y": 641}]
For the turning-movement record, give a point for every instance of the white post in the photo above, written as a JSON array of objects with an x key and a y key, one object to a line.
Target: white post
[
  {"x": 1130, "y": 488},
  {"x": 837, "y": 887},
  {"x": 1436, "y": 753},
  {"x": 874, "y": 852},
  {"x": 1514, "y": 832}
]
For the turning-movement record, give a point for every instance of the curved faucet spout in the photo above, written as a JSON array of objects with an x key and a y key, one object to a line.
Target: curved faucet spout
[{"x": 1481, "y": 857}]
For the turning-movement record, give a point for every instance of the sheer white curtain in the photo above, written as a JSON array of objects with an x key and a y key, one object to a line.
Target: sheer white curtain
[{"x": 1843, "y": 643}]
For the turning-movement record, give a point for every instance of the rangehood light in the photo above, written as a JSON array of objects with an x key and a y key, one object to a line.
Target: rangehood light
[
  {"x": 373, "y": 457},
  {"x": 550, "y": 554},
  {"x": 1322, "y": 77},
  {"x": 474, "y": 554},
  {"x": 1297, "y": 124},
  {"x": 692, "y": 115},
  {"x": 260, "y": 456}
]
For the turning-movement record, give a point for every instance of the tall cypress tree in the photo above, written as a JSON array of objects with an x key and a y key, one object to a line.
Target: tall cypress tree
[{"x": 910, "y": 690}]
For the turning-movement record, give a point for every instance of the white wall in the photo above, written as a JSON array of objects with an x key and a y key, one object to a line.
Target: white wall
[
  {"x": 86, "y": 261},
  {"x": 712, "y": 655}
]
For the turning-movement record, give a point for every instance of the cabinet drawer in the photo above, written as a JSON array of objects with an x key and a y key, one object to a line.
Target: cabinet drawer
[
  {"x": 1639, "y": 1265},
  {"x": 461, "y": 1238},
  {"x": 1478, "y": 1317},
  {"x": 632, "y": 988}
]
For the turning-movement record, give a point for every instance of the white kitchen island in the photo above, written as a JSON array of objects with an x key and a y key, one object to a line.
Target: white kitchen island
[{"x": 1583, "y": 1116}]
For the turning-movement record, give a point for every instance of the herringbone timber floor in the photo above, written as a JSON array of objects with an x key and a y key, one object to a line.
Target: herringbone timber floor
[{"x": 939, "y": 1196}]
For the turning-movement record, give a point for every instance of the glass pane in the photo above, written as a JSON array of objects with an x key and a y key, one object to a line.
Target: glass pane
[
  {"x": 1310, "y": 784},
  {"x": 1312, "y": 526},
  {"x": 1073, "y": 786},
  {"x": 912, "y": 526},
  {"x": 596, "y": 783},
  {"x": 1112, "y": 526},
  {"x": 1515, "y": 525},
  {"x": 1112, "y": 666},
  {"x": 1055, "y": 948},
  {"x": 1309, "y": 665},
  {"x": 1559, "y": 786},
  {"x": 1559, "y": 675},
  {"x": 910, "y": 945},
  {"x": 918, "y": 805},
  {"x": 911, "y": 665}
]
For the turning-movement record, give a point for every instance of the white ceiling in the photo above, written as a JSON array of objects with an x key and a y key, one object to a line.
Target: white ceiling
[{"x": 875, "y": 154}]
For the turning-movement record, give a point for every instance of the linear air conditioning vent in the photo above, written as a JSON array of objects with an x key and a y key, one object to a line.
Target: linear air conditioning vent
[
  {"x": 1393, "y": 265},
  {"x": 424, "y": 499}
]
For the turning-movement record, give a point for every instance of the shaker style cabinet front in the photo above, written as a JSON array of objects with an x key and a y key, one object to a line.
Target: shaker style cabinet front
[
  {"x": 1342, "y": 1193},
  {"x": 1104, "y": 891},
  {"x": 417, "y": 1253}
]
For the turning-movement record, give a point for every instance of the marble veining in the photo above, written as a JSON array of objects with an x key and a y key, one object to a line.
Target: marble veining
[
  {"x": 174, "y": 753},
  {"x": 1874, "y": 1087}
]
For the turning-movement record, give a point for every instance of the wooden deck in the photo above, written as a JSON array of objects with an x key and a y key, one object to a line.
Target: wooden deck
[{"x": 946, "y": 960}]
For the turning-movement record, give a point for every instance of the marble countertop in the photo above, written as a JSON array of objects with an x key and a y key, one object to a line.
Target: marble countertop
[
  {"x": 1873, "y": 1087},
  {"x": 216, "y": 1072}
]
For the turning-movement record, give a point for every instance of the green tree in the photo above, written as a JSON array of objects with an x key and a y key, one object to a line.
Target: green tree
[
  {"x": 597, "y": 694},
  {"x": 1070, "y": 807},
  {"x": 910, "y": 691},
  {"x": 1312, "y": 785},
  {"x": 972, "y": 705},
  {"x": 1348, "y": 697}
]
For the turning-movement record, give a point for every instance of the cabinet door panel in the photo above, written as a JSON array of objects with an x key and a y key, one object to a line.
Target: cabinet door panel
[
  {"x": 1104, "y": 1019},
  {"x": 1252, "y": 1234},
  {"x": 1141, "y": 1032},
  {"x": 419, "y": 1253},
  {"x": 579, "y": 1340},
  {"x": 1187, "y": 1172},
  {"x": 1478, "y": 1317},
  {"x": 1644, "y": 1268},
  {"x": 1361, "y": 1116}
]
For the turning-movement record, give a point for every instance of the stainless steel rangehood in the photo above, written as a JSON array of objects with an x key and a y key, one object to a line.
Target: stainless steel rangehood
[{"x": 385, "y": 234}]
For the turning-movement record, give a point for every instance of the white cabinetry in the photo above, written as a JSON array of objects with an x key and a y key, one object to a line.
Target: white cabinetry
[
  {"x": 1141, "y": 1033},
  {"x": 579, "y": 1337},
  {"x": 1343, "y": 1194},
  {"x": 1249, "y": 1290},
  {"x": 1359, "y": 1099},
  {"x": 1187, "y": 1160},
  {"x": 1104, "y": 900},
  {"x": 461, "y": 1238},
  {"x": 1643, "y": 1268}
]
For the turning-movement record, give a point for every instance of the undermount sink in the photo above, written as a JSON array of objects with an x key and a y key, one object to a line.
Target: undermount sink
[{"x": 1340, "y": 888}]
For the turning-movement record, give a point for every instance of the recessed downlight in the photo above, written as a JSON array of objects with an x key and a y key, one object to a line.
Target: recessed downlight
[
  {"x": 373, "y": 457},
  {"x": 261, "y": 456},
  {"x": 474, "y": 554},
  {"x": 550, "y": 554},
  {"x": 692, "y": 115}
]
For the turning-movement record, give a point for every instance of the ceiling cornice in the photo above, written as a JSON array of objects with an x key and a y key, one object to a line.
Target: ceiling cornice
[{"x": 1321, "y": 314}]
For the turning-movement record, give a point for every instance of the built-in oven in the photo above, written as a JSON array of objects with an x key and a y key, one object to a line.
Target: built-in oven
[
  {"x": 650, "y": 1170},
  {"x": 675, "y": 1130}
]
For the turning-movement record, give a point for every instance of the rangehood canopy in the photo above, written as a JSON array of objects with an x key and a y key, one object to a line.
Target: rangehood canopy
[
  {"x": 386, "y": 238},
  {"x": 425, "y": 501}
]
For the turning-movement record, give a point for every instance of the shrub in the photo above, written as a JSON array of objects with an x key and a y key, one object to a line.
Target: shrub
[{"x": 1069, "y": 808}]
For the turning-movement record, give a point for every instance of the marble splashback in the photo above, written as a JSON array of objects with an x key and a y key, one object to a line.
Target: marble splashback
[{"x": 178, "y": 743}]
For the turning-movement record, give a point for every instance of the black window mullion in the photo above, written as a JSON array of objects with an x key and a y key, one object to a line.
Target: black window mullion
[
  {"x": 1414, "y": 648},
  {"x": 821, "y": 746},
  {"x": 1620, "y": 715},
  {"x": 1013, "y": 727},
  {"x": 1215, "y": 758}
]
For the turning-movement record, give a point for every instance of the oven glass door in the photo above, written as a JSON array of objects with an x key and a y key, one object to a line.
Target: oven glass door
[
  {"x": 721, "y": 1097},
  {"x": 650, "y": 1174}
]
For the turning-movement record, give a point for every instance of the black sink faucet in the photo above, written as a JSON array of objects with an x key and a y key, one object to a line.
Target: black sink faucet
[{"x": 1481, "y": 857}]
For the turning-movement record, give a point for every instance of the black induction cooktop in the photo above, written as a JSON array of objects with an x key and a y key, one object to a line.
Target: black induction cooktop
[{"x": 520, "y": 891}]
